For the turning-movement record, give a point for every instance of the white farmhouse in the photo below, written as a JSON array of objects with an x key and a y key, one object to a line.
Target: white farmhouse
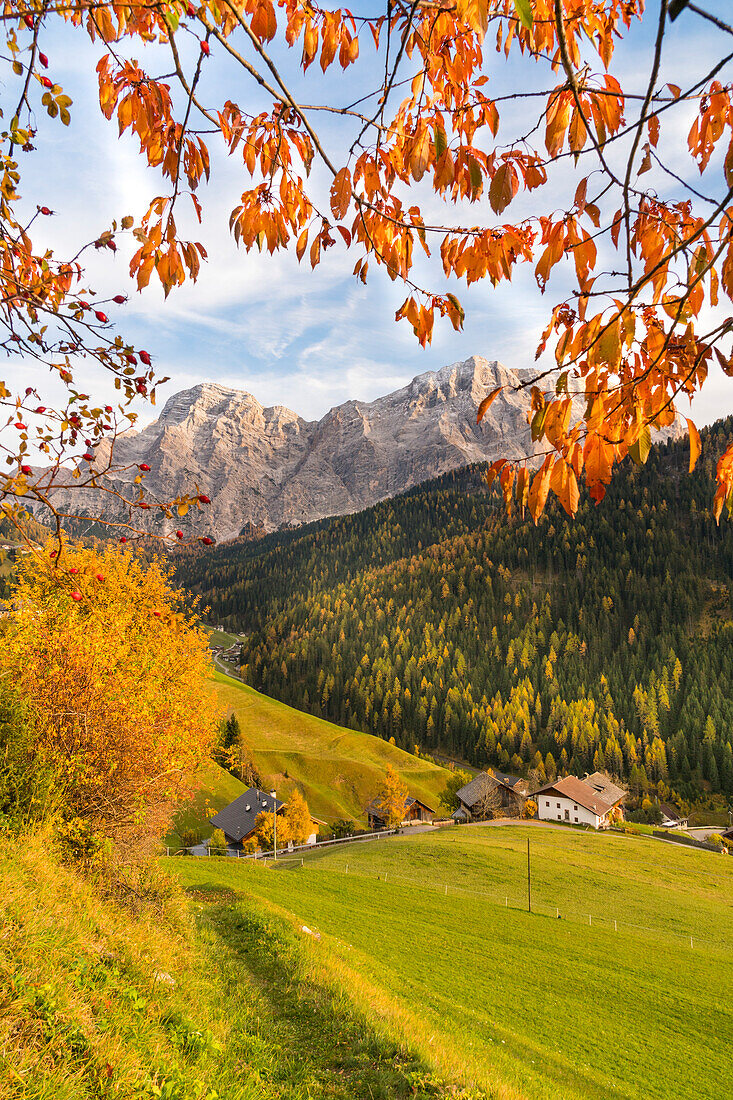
[{"x": 573, "y": 800}]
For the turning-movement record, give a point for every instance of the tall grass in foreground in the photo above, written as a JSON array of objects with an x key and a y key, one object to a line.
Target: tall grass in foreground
[{"x": 176, "y": 1002}]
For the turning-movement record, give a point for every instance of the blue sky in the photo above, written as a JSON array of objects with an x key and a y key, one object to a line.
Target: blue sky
[{"x": 292, "y": 336}]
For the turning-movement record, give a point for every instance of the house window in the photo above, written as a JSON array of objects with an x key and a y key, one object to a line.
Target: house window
[
  {"x": 547, "y": 803},
  {"x": 558, "y": 805},
  {"x": 576, "y": 821},
  {"x": 559, "y": 817},
  {"x": 575, "y": 807}
]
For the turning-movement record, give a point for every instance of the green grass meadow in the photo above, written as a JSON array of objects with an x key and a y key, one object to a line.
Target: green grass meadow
[
  {"x": 155, "y": 999},
  {"x": 221, "y": 637},
  {"x": 522, "y": 1004},
  {"x": 338, "y": 769}
]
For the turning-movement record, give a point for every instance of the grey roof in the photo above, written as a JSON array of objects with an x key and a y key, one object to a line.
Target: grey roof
[
  {"x": 237, "y": 820},
  {"x": 482, "y": 783},
  {"x": 603, "y": 786}
]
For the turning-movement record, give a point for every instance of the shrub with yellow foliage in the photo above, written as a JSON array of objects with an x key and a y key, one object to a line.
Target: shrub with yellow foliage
[{"x": 115, "y": 670}]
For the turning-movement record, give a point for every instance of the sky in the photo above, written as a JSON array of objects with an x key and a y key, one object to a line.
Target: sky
[{"x": 289, "y": 335}]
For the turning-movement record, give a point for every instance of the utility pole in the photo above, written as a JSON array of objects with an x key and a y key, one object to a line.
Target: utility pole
[
  {"x": 273, "y": 795},
  {"x": 529, "y": 882}
]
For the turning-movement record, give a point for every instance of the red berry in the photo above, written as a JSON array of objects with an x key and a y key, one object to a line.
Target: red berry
[
  {"x": 123, "y": 539},
  {"x": 145, "y": 358},
  {"x": 73, "y": 570},
  {"x": 53, "y": 553},
  {"x": 120, "y": 299},
  {"x": 43, "y": 59},
  {"x": 179, "y": 534},
  {"x": 157, "y": 614},
  {"x": 205, "y": 48},
  {"x": 20, "y": 426},
  {"x": 28, "y": 390},
  {"x": 101, "y": 317},
  {"x": 191, "y": 11},
  {"x": 41, "y": 409},
  {"x": 144, "y": 504},
  {"x": 144, "y": 466},
  {"x": 26, "y": 469},
  {"x": 44, "y": 209},
  {"x": 28, "y": 20},
  {"x": 108, "y": 408},
  {"x": 76, "y": 595},
  {"x": 204, "y": 499},
  {"x": 88, "y": 457},
  {"x": 99, "y": 576},
  {"x": 46, "y": 82},
  {"x": 207, "y": 541}
]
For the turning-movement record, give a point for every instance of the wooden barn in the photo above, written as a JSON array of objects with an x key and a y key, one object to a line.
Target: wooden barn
[
  {"x": 491, "y": 794},
  {"x": 415, "y": 810}
]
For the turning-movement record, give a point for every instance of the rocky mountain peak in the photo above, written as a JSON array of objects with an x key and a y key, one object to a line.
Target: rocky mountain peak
[{"x": 266, "y": 467}]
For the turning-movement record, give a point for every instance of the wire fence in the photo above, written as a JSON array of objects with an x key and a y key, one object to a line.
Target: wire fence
[
  {"x": 512, "y": 903},
  {"x": 204, "y": 849}
]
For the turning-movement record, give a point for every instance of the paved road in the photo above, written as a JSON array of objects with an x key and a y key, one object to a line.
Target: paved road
[{"x": 227, "y": 668}]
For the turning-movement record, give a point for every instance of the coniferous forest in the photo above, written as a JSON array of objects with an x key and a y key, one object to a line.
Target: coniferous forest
[{"x": 435, "y": 618}]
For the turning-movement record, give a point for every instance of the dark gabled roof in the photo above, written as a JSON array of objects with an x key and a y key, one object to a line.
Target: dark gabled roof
[
  {"x": 237, "y": 820},
  {"x": 671, "y": 812},
  {"x": 411, "y": 802},
  {"x": 479, "y": 786},
  {"x": 575, "y": 789},
  {"x": 605, "y": 788}
]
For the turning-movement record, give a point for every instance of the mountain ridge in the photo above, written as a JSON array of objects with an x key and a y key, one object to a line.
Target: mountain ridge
[{"x": 266, "y": 468}]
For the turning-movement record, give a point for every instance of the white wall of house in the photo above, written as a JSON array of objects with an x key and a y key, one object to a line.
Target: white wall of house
[{"x": 556, "y": 807}]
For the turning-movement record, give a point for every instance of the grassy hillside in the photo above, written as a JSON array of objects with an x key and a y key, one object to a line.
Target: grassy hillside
[
  {"x": 524, "y": 1003},
  {"x": 215, "y": 788},
  {"x": 338, "y": 769},
  {"x": 97, "y": 1003}
]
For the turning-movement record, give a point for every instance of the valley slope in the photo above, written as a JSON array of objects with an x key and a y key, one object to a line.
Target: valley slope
[{"x": 434, "y": 618}]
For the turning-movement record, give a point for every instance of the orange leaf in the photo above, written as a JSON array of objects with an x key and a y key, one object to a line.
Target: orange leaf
[
  {"x": 486, "y": 404},
  {"x": 598, "y": 457},
  {"x": 504, "y": 187},
  {"x": 341, "y": 193},
  {"x": 420, "y": 153},
  {"x": 695, "y": 445},
  {"x": 494, "y": 469},
  {"x": 539, "y": 489}
]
